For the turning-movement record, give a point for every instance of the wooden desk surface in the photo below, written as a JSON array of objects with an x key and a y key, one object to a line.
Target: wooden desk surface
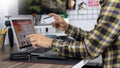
[{"x": 8, "y": 64}]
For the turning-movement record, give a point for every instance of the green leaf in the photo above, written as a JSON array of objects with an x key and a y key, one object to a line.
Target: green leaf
[
  {"x": 35, "y": 8},
  {"x": 37, "y": 1},
  {"x": 28, "y": 1}
]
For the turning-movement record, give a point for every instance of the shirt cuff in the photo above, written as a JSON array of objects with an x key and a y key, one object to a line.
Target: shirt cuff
[
  {"x": 54, "y": 46},
  {"x": 68, "y": 30}
]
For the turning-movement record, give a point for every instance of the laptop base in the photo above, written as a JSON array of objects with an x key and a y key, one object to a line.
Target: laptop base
[{"x": 49, "y": 56}]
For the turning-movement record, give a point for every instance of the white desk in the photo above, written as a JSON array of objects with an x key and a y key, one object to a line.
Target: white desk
[{"x": 80, "y": 64}]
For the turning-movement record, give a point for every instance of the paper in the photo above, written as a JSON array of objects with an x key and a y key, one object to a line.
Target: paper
[{"x": 80, "y": 64}]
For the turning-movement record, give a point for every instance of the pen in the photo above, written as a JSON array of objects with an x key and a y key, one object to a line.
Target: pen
[{"x": 47, "y": 17}]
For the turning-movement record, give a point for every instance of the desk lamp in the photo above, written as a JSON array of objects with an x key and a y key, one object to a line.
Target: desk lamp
[{"x": 10, "y": 32}]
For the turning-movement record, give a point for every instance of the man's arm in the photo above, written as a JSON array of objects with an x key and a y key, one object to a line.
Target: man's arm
[
  {"x": 76, "y": 33},
  {"x": 93, "y": 43}
]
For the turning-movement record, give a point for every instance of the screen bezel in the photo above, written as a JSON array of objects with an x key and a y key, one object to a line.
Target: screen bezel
[{"x": 15, "y": 33}]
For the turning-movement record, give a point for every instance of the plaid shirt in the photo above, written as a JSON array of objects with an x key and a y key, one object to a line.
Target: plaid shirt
[{"x": 103, "y": 40}]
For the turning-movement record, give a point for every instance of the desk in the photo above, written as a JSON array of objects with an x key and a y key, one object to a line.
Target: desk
[{"x": 8, "y": 64}]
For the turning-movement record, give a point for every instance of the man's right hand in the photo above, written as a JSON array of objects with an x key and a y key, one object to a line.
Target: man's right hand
[{"x": 59, "y": 22}]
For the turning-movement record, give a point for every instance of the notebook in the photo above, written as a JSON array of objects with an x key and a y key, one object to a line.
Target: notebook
[{"x": 23, "y": 27}]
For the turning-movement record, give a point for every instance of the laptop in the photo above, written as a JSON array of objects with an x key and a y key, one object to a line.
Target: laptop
[{"x": 23, "y": 27}]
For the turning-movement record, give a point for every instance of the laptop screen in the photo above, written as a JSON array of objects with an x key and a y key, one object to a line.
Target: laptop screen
[{"x": 22, "y": 28}]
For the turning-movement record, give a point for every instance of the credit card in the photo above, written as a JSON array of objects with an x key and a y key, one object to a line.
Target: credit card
[{"x": 48, "y": 20}]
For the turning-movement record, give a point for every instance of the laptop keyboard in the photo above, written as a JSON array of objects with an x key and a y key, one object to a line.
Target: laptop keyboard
[{"x": 40, "y": 50}]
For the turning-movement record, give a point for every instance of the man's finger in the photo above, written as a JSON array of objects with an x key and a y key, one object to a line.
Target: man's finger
[
  {"x": 34, "y": 44},
  {"x": 32, "y": 40},
  {"x": 28, "y": 36}
]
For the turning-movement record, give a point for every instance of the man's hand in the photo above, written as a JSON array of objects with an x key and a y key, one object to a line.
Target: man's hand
[
  {"x": 59, "y": 22},
  {"x": 40, "y": 40}
]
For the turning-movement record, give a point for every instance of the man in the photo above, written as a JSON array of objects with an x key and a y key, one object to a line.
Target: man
[{"x": 103, "y": 40}]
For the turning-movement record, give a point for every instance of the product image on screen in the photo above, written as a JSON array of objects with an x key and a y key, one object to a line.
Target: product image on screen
[
  {"x": 22, "y": 29},
  {"x": 41, "y": 6}
]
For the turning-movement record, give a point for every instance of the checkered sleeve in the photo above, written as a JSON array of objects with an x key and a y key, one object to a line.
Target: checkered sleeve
[{"x": 92, "y": 44}]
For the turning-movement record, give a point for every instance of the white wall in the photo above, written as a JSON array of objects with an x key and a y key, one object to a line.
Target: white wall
[
  {"x": 13, "y": 9},
  {"x": 3, "y": 13}
]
